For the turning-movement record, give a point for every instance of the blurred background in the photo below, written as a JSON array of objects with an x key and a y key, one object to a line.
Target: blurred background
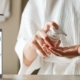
[{"x": 10, "y": 29}]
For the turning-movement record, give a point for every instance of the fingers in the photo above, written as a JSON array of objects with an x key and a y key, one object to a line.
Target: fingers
[
  {"x": 64, "y": 53},
  {"x": 48, "y": 41},
  {"x": 45, "y": 37},
  {"x": 49, "y": 24},
  {"x": 46, "y": 51},
  {"x": 42, "y": 38},
  {"x": 36, "y": 45},
  {"x": 56, "y": 52},
  {"x": 61, "y": 52},
  {"x": 46, "y": 48},
  {"x": 45, "y": 45},
  {"x": 62, "y": 48},
  {"x": 39, "y": 40},
  {"x": 42, "y": 33},
  {"x": 57, "y": 45}
]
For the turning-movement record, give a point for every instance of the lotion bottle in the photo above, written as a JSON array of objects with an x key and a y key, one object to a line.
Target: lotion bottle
[{"x": 55, "y": 35}]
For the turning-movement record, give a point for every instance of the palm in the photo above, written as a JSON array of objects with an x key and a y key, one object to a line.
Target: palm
[{"x": 65, "y": 51}]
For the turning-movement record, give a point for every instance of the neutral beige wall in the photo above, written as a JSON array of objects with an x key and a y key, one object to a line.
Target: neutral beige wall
[{"x": 10, "y": 29}]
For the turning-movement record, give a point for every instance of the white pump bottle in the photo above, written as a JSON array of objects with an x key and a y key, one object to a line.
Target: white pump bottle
[{"x": 54, "y": 35}]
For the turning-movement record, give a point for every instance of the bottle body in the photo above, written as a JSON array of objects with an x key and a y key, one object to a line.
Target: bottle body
[{"x": 54, "y": 37}]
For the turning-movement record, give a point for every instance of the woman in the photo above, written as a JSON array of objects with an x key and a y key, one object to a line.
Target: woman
[{"x": 37, "y": 18}]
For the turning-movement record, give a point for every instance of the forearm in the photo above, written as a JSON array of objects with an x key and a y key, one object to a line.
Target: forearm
[{"x": 29, "y": 54}]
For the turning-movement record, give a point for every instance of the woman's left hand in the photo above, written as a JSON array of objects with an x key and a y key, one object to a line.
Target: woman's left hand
[{"x": 69, "y": 52}]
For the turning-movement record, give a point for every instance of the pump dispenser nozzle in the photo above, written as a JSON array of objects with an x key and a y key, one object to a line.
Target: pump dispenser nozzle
[{"x": 57, "y": 31}]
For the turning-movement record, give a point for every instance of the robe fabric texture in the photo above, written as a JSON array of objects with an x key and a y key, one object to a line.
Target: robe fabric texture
[{"x": 66, "y": 13}]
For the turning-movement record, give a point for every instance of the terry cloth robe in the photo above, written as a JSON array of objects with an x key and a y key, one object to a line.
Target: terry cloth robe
[{"x": 65, "y": 13}]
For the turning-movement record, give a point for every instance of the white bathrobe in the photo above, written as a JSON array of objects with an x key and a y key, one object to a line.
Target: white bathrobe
[{"x": 65, "y": 13}]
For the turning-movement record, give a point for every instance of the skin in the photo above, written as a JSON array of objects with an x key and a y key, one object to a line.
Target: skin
[
  {"x": 42, "y": 42},
  {"x": 68, "y": 52},
  {"x": 39, "y": 40}
]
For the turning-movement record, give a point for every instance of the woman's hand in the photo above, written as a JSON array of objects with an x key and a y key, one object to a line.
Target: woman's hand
[
  {"x": 69, "y": 52},
  {"x": 41, "y": 38},
  {"x": 37, "y": 43}
]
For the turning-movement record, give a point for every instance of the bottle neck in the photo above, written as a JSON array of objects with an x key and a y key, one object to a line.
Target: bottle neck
[{"x": 54, "y": 37}]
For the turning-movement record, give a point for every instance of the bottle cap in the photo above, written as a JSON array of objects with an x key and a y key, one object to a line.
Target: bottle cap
[{"x": 57, "y": 31}]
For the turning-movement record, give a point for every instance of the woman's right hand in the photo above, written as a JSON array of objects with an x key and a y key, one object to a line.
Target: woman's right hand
[{"x": 41, "y": 38}]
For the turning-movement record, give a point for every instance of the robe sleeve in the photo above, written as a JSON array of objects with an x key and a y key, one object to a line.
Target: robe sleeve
[
  {"x": 25, "y": 34},
  {"x": 30, "y": 23}
]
